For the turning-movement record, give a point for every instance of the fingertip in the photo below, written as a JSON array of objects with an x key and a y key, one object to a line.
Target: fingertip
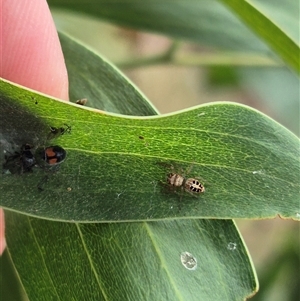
[
  {"x": 30, "y": 48},
  {"x": 2, "y": 229}
]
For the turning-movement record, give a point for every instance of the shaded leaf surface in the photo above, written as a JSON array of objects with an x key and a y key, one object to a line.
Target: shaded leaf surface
[
  {"x": 130, "y": 261},
  {"x": 248, "y": 163},
  {"x": 9, "y": 287}
]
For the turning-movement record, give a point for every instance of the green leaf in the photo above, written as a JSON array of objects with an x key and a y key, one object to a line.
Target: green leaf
[
  {"x": 277, "y": 39},
  {"x": 117, "y": 167},
  {"x": 101, "y": 83},
  {"x": 86, "y": 262},
  {"x": 10, "y": 289},
  {"x": 130, "y": 261}
]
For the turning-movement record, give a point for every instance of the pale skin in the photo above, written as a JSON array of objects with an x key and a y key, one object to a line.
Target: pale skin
[{"x": 30, "y": 54}]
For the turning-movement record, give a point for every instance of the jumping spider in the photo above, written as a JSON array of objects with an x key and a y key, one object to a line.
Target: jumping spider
[
  {"x": 60, "y": 131},
  {"x": 191, "y": 185}
]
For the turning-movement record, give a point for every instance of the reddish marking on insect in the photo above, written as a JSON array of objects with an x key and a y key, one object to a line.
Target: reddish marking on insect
[{"x": 49, "y": 152}]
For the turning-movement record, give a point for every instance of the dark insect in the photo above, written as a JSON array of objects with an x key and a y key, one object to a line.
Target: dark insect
[
  {"x": 20, "y": 162},
  {"x": 60, "y": 131},
  {"x": 82, "y": 101},
  {"x": 50, "y": 156}
]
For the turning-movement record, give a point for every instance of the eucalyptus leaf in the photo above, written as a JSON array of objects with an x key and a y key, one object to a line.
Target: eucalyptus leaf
[
  {"x": 10, "y": 289},
  {"x": 167, "y": 260},
  {"x": 100, "y": 83},
  {"x": 64, "y": 260},
  {"x": 117, "y": 166}
]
